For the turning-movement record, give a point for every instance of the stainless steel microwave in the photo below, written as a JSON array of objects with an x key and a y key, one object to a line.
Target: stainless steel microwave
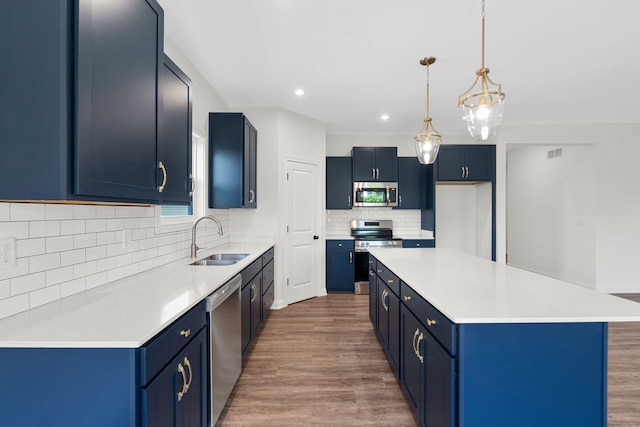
[{"x": 375, "y": 194}]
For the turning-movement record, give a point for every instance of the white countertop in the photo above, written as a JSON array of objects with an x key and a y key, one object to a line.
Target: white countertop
[
  {"x": 469, "y": 289},
  {"x": 127, "y": 312}
]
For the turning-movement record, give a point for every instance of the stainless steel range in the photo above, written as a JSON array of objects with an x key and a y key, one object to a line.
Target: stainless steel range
[{"x": 370, "y": 234}]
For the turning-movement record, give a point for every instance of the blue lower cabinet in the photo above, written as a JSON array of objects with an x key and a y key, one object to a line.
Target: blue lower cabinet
[
  {"x": 340, "y": 267},
  {"x": 412, "y": 367},
  {"x": 177, "y": 396},
  {"x": 418, "y": 243}
]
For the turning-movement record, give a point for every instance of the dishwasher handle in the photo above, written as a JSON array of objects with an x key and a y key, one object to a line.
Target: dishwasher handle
[{"x": 223, "y": 292}]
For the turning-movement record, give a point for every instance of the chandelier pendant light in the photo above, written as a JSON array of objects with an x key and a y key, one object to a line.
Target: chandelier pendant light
[
  {"x": 428, "y": 139},
  {"x": 483, "y": 103}
]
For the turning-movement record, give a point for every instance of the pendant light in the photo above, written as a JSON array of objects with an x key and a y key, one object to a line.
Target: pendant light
[
  {"x": 428, "y": 140},
  {"x": 483, "y": 103}
]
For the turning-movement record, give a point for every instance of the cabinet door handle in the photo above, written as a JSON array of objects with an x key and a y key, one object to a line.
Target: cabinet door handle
[
  {"x": 383, "y": 296},
  {"x": 466, "y": 169},
  {"x": 182, "y": 392},
  {"x": 348, "y": 200},
  {"x": 164, "y": 177},
  {"x": 188, "y": 365},
  {"x": 431, "y": 322},
  {"x": 193, "y": 185},
  {"x": 377, "y": 173},
  {"x": 371, "y": 273},
  {"x": 462, "y": 167},
  {"x": 255, "y": 292},
  {"x": 350, "y": 257},
  {"x": 406, "y": 298},
  {"x": 415, "y": 336},
  {"x": 185, "y": 332},
  {"x": 252, "y": 196},
  {"x": 399, "y": 200},
  {"x": 373, "y": 173},
  {"x": 421, "y": 357}
]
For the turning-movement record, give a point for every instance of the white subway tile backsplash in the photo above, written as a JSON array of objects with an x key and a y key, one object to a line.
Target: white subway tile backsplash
[
  {"x": 5, "y": 289},
  {"x": 27, "y": 211},
  {"x": 27, "y": 283},
  {"x": 44, "y": 296},
  {"x": 18, "y": 230},
  {"x": 75, "y": 256},
  {"x": 64, "y": 249},
  {"x": 84, "y": 269},
  {"x": 30, "y": 247},
  {"x": 72, "y": 287},
  {"x": 12, "y": 305},
  {"x": 58, "y": 275},
  {"x": 44, "y": 228},
  {"x": 84, "y": 240},
  {"x": 95, "y": 280},
  {"x": 40, "y": 263},
  {"x": 96, "y": 225},
  {"x": 5, "y": 211},
  {"x": 72, "y": 227},
  {"x": 96, "y": 252},
  {"x": 58, "y": 211},
  {"x": 84, "y": 211},
  {"x": 59, "y": 243}
]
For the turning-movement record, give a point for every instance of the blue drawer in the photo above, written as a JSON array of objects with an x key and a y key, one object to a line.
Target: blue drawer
[{"x": 389, "y": 279}]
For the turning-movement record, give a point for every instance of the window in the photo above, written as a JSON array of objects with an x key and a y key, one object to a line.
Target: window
[{"x": 174, "y": 214}]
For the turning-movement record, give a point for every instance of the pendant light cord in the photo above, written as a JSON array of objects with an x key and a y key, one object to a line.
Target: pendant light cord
[{"x": 428, "y": 92}]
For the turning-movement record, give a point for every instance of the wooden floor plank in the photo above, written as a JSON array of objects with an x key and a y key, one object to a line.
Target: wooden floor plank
[{"x": 318, "y": 363}]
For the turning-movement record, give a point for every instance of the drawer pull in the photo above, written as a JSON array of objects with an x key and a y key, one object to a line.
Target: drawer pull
[
  {"x": 406, "y": 298},
  {"x": 370, "y": 261},
  {"x": 390, "y": 281},
  {"x": 185, "y": 333},
  {"x": 379, "y": 271},
  {"x": 431, "y": 322}
]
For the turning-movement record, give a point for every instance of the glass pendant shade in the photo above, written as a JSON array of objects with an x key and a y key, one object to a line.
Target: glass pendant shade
[
  {"x": 427, "y": 144},
  {"x": 482, "y": 120}
]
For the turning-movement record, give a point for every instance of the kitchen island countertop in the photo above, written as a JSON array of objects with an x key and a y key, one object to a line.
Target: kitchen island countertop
[{"x": 469, "y": 289}]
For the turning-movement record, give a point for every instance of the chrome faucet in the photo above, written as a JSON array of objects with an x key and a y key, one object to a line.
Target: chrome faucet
[{"x": 194, "y": 247}]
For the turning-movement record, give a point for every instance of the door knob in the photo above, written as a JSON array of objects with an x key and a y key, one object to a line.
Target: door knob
[{"x": 316, "y": 237}]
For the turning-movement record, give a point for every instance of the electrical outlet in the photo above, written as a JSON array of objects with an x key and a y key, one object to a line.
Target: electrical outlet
[{"x": 7, "y": 252}]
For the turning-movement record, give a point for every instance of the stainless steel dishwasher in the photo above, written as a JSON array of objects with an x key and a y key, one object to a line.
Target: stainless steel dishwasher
[{"x": 225, "y": 348}]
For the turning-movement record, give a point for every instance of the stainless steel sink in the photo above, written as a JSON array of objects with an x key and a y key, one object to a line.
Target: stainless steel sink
[{"x": 220, "y": 259}]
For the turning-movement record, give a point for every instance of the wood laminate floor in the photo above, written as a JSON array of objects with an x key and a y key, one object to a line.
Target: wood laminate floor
[{"x": 318, "y": 363}]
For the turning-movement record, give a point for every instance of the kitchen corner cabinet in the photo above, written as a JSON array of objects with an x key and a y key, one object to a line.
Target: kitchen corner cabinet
[
  {"x": 174, "y": 145},
  {"x": 339, "y": 183},
  {"x": 466, "y": 163},
  {"x": 340, "y": 268},
  {"x": 375, "y": 164},
  {"x": 256, "y": 292},
  {"x": 162, "y": 383},
  {"x": 414, "y": 186},
  {"x": 80, "y": 101},
  {"x": 232, "y": 161}
]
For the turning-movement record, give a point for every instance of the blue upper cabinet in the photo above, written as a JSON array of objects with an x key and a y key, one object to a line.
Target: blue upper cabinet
[
  {"x": 174, "y": 145},
  {"x": 414, "y": 185},
  {"x": 232, "y": 161},
  {"x": 79, "y": 105},
  {"x": 466, "y": 163},
  {"x": 375, "y": 164},
  {"x": 339, "y": 183}
]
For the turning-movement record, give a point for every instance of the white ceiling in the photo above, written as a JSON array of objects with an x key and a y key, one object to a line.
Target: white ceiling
[{"x": 559, "y": 61}]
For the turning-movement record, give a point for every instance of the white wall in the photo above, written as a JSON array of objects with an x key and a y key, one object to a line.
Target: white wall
[
  {"x": 282, "y": 135},
  {"x": 463, "y": 218},
  {"x": 551, "y": 208},
  {"x": 617, "y": 209}
]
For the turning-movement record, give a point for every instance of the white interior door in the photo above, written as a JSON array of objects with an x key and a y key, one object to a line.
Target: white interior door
[{"x": 303, "y": 189}]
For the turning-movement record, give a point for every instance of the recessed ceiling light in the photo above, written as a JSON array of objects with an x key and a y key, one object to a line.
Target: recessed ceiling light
[
  {"x": 384, "y": 117},
  {"x": 299, "y": 92}
]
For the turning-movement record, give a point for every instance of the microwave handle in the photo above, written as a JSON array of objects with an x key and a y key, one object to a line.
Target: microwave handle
[{"x": 388, "y": 194}]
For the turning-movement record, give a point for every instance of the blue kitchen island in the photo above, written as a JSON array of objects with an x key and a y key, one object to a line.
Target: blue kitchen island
[{"x": 476, "y": 343}]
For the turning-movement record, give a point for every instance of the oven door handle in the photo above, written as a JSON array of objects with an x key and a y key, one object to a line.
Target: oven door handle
[{"x": 350, "y": 257}]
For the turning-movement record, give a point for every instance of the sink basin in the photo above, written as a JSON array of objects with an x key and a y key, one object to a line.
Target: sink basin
[{"x": 220, "y": 259}]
